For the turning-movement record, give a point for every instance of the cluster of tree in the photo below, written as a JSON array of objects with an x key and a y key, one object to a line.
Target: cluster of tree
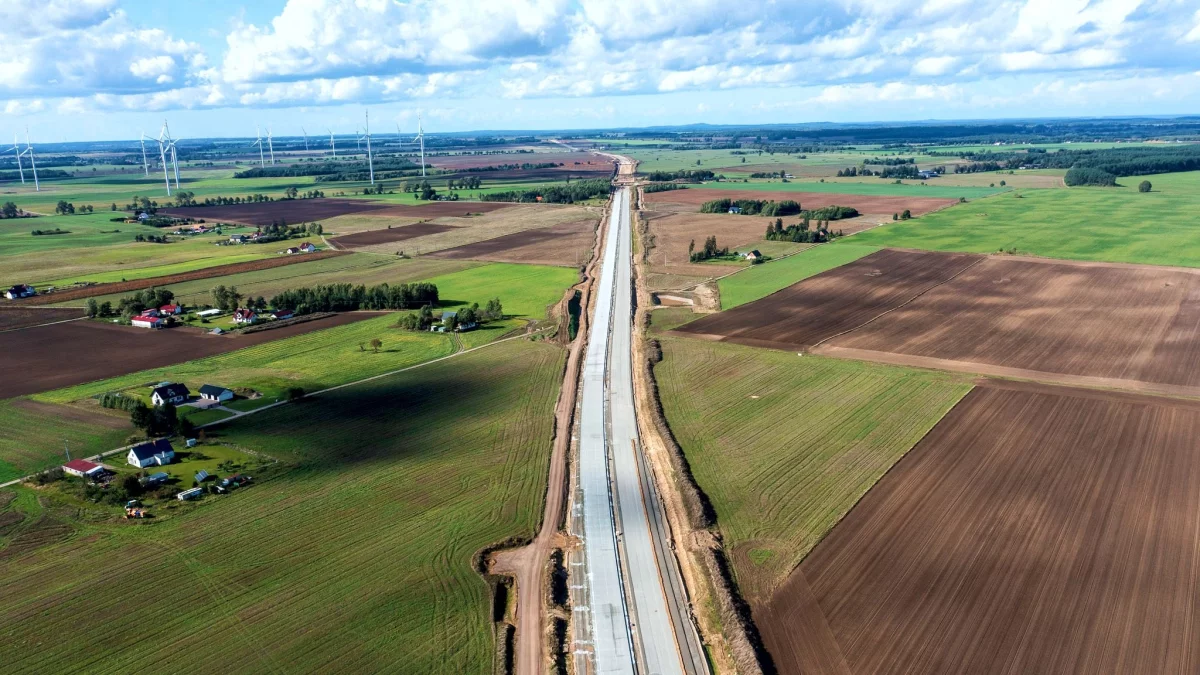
[
  {"x": 900, "y": 171},
  {"x": 331, "y": 171},
  {"x": 468, "y": 183},
  {"x": 769, "y": 174},
  {"x": 118, "y": 401},
  {"x": 890, "y": 161},
  {"x": 422, "y": 189},
  {"x": 853, "y": 171},
  {"x": 662, "y": 187},
  {"x": 802, "y": 232},
  {"x": 160, "y": 420},
  {"x": 185, "y": 198},
  {"x": 1128, "y": 161},
  {"x": 831, "y": 213},
  {"x": 1089, "y": 176},
  {"x": 525, "y": 166},
  {"x": 348, "y": 297},
  {"x": 902, "y": 216},
  {"x": 688, "y": 175},
  {"x": 165, "y": 221},
  {"x": 154, "y": 239},
  {"x": 280, "y": 230},
  {"x": 57, "y": 230},
  {"x": 64, "y": 208},
  {"x": 753, "y": 207},
  {"x": 95, "y": 309},
  {"x": 11, "y": 210},
  {"x": 43, "y": 173},
  {"x": 141, "y": 205},
  {"x": 226, "y": 298},
  {"x": 555, "y": 194},
  {"x": 710, "y": 250},
  {"x": 151, "y": 298},
  {"x": 978, "y": 167}
]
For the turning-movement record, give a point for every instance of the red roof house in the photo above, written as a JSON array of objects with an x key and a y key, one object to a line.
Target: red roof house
[
  {"x": 171, "y": 309},
  {"x": 82, "y": 468}
]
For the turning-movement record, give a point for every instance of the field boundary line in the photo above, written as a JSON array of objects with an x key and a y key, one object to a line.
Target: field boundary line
[
  {"x": 947, "y": 280},
  {"x": 239, "y": 415},
  {"x": 40, "y": 325}
]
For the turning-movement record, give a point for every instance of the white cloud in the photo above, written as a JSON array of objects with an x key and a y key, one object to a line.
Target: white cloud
[{"x": 934, "y": 65}]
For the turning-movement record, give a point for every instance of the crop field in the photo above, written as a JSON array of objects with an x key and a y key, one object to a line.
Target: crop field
[
  {"x": 498, "y": 223},
  {"x": 355, "y": 555},
  {"x": 307, "y": 210},
  {"x": 389, "y": 235},
  {"x": 673, "y": 232},
  {"x": 691, "y": 199},
  {"x": 12, "y": 318},
  {"x": 833, "y": 302},
  {"x": 784, "y": 446},
  {"x": 877, "y": 187},
  {"x": 525, "y": 290},
  {"x": 35, "y": 433},
  {"x": 1034, "y": 529},
  {"x": 1029, "y": 178},
  {"x": 67, "y": 354},
  {"x": 762, "y": 280},
  {"x": 563, "y": 244},
  {"x": 1106, "y": 224},
  {"x": 342, "y": 267}
]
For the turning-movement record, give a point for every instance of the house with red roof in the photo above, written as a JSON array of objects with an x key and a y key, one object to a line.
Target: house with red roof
[
  {"x": 170, "y": 309},
  {"x": 147, "y": 321},
  {"x": 245, "y": 316},
  {"x": 82, "y": 468}
]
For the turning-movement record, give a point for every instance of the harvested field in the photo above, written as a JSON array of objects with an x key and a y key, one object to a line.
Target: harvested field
[
  {"x": 1034, "y": 530},
  {"x": 308, "y": 210},
  {"x": 692, "y": 198},
  {"x": 674, "y": 231},
  {"x": 572, "y": 162},
  {"x": 72, "y": 353},
  {"x": 564, "y": 244},
  {"x": 205, "y": 273},
  {"x": 12, "y": 318},
  {"x": 832, "y": 302},
  {"x": 389, "y": 235}
]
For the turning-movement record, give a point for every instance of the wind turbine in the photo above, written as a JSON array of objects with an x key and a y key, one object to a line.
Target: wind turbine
[
  {"x": 400, "y": 136},
  {"x": 162, "y": 155},
  {"x": 166, "y": 130},
  {"x": 305, "y": 138},
  {"x": 29, "y": 151},
  {"x": 145, "y": 162},
  {"x": 332, "y": 147},
  {"x": 367, "y": 134},
  {"x": 421, "y": 137},
  {"x": 17, "y": 149},
  {"x": 258, "y": 141},
  {"x": 357, "y": 140},
  {"x": 270, "y": 145}
]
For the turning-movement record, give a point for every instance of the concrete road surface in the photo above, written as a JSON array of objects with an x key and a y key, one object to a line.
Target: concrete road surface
[{"x": 638, "y": 607}]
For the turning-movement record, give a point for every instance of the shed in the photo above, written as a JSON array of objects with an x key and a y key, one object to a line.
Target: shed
[
  {"x": 188, "y": 495},
  {"x": 147, "y": 322},
  {"x": 754, "y": 255},
  {"x": 82, "y": 468},
  {"x": 211, "y": 392},
  {"x": 155, "y": 453},
  {"x": 280, "y": 314},
  {"x": 208, "y": 312},
  {"x": 156, "y": 479}
]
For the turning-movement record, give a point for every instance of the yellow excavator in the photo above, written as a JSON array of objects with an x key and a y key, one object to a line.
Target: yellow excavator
[{"x": 134, "y": 509}]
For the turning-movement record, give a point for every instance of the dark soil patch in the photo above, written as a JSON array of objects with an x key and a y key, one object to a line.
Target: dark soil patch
[
  {"x": 66, "y": 354},
  {"x": 386, "y": 236},
  {"x": 554, "y": 245},
  {"x": 293, "y": 211},
  {"x": 23, "y": 317}
]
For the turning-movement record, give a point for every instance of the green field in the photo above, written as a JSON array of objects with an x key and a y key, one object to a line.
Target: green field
[
  {"x": 785, "y": 445},
  {"x": 357, "y": 557},
  {"x": 876, "y": 187},
  {"x": 1106, "y": 224},
  {"x": 35, "y": 434},
  {"x": 762, "y": 280},
  {"x": 356, "y": 268}
]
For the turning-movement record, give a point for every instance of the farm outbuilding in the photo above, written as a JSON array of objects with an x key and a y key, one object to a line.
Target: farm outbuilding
[
  {"x": 147, "y": 322},
  {"x": 188, "y": 495},
  {"x": 169, "y": 393},
  {"x": 754, "y": 255},
  {"x": 19, "y": 291},
  {"x": 281, "y": 314},
  {"x": 156, "y": 453},
  {"x": 208, "y": 312},
  {"x": 82, "y": 468},
  {"x": 210, "y": 392}
]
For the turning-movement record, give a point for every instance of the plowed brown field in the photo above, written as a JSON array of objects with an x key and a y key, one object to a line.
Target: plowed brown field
[
  {"x": 832, "y": 302},
  {"x": 691, "y": 199},
  {"x": 563, "y": 244},
  {"x": 1035, "y": 529},
  {"x": 387, "y": 235},
  {"x": 49, "y": 357},
  {"x": 295, "y": 211},
  {"x": 12, "y": 318},
  {"x": 205, "y": 273}
]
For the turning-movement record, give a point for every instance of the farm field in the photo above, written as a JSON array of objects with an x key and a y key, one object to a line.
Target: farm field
[
  {"x": 877, "y": 187},
  {"x": 338, "y": 268},
  {"x": 784, "y": 446},
  {"x": 828, "y": 304},
  {"x": 33, "y": 433},
  {"x": 356, "y": 554},
  {"x": 12, "y": 318},
  {"x": 306, "y": 210},
  {"x": 692, "y": 198},
  {"x": 673, "y": 232},
  {"x": 71, "y": 353},
  {"x": 567, "y": 244},
  {"x": 1080, "y": 223},
  {"x": 762, "y": 280},
  {"x": 1034, "y": 529},
  {"x": 389, "y": 235}
]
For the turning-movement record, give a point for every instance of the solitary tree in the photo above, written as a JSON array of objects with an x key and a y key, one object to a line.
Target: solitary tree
[
  {"x": 10, "y": 210},
  {"x": 93, "y": 308},
  {"x": 1144, "y": 186},
  {"x": 376, "y": 344}
]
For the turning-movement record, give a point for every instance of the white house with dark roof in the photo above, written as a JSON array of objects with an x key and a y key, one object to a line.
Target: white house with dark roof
[
  {"x": 156, "y": 453},
  {"x": 169, "y": 393}
]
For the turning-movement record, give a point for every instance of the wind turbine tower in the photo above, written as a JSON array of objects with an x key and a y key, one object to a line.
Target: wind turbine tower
[
  {"x": 262, "y": 162},
  {"x": 421, "y": 137},
  {"x": 270, "y": 145},
  {"x": 370, "y": 161},
  {"x": 332, "y": 147},
  {"x": 305, "y": 138},
  {"x": 145, "y": 162},
  {"x": 170, "y": 146},
  {"x": 162, "y": 155},
  {"x": 29, "y": 151},
  {"x": 17, "y": 149}
]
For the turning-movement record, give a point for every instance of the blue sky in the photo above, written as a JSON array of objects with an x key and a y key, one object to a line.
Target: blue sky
[{"x": 108, "y": 69}]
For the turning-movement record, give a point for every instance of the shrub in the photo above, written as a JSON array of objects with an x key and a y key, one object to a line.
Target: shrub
[{"x": 1144, "y": 186}]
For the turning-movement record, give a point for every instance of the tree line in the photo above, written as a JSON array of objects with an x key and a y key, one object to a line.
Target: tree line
[
  {"x": 348, "y": 297},
  {"x": 802, "y": 232},
  {"x": 1119, "y": 162},
  {"x": 753, "y": 207},
  {"x": 687, "y": 174},
  {"x": 662, "y": 187},
  {"x": 555, "y": 194}
]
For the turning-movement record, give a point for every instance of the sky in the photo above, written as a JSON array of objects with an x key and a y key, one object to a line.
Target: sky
[{"x": 110, "y": 69}]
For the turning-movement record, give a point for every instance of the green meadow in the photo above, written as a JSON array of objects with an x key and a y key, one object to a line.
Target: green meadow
[{"x": 759, "y": 281}]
